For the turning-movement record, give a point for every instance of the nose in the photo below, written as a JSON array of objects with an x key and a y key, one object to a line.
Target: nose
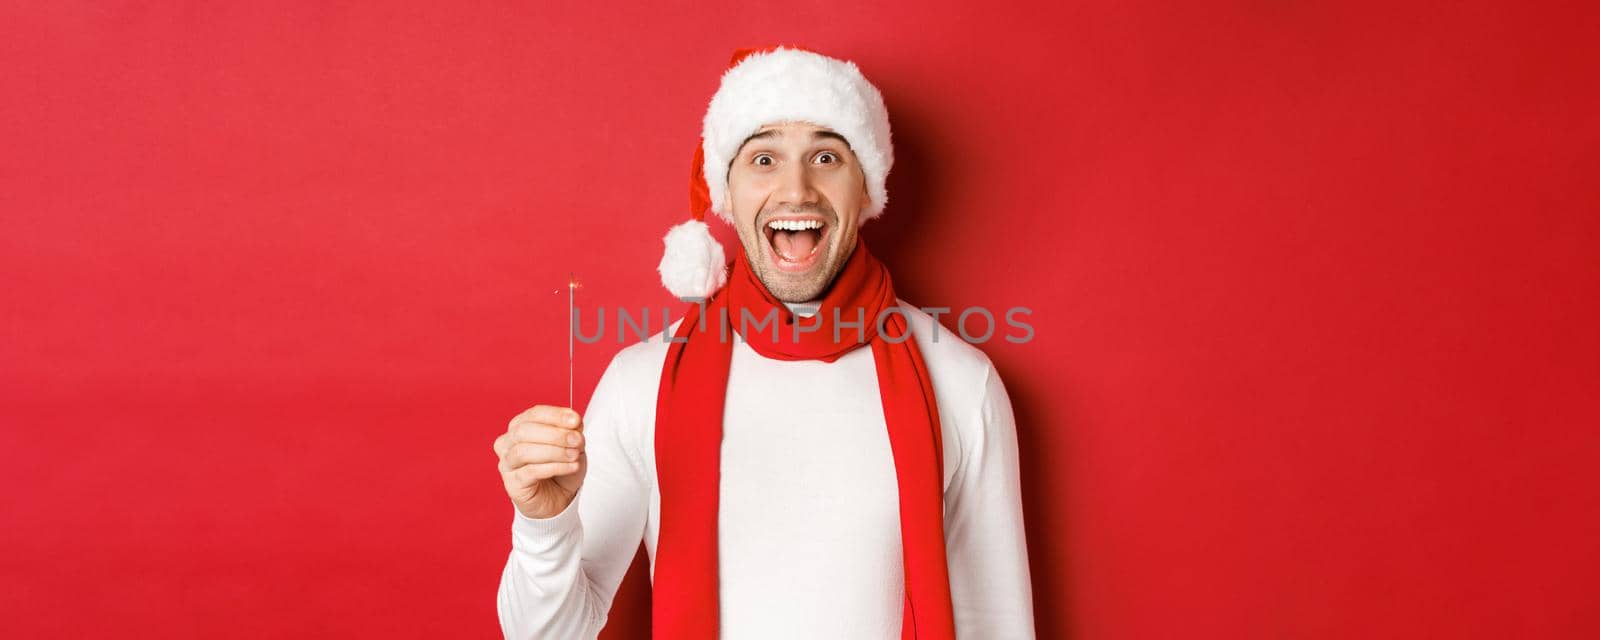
[{"x": 795, "y": 188}]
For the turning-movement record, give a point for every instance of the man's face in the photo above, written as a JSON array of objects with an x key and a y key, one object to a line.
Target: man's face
[{"x": 796, "y": 192}]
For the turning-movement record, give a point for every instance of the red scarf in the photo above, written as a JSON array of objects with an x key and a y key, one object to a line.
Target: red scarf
[{"x": 688, "y": 441}]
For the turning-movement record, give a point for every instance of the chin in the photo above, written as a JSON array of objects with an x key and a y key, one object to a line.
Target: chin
[{"x": 790, "y": 287}]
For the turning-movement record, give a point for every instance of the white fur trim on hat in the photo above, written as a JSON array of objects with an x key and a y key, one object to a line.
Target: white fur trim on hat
[
  {"x": 791, "y": 84},
  {"x": 693, "y": 265}
]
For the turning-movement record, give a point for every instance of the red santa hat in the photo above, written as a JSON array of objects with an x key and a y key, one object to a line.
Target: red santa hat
[{"x": 762, "y": 86}]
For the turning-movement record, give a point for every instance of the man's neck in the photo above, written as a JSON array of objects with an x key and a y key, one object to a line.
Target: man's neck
[{"x": 804, "y": 309}]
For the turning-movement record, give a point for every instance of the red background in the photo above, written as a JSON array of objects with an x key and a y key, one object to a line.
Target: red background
[{"x": 1314, "y": 289}]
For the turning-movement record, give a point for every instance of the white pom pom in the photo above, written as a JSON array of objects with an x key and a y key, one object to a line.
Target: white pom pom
[{"x": 693, "y": 265}]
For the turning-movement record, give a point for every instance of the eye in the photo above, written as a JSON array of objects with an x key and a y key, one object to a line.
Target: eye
[
  {"x": 763, "y": 160},
  {"x": 827, "y": 157}
]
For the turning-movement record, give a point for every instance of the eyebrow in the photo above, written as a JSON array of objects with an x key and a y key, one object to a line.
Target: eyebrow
[{"x": 773, "y": 133}]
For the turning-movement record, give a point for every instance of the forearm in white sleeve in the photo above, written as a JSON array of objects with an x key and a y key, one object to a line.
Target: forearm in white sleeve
[
  {"x": 984, "y": 538},
  {"x": 564, "y": 570}
]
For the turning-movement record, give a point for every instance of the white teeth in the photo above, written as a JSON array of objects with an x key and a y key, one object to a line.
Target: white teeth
[{"x": 794, "y": 225}]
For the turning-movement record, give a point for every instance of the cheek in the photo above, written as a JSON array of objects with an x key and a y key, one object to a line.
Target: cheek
[
  {"x": 745, "y": 204},
  {"x": 745, "y": 207},
  {"x": 745, "y": 190},
  {"x": 847, "y": 192},
  {"x": 840, "y": 188}
]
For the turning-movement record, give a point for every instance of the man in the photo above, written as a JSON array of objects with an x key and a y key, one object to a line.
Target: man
[{"x": 797, "y": 465}]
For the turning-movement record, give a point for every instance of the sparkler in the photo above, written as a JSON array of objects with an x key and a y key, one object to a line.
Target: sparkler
[{"x": 572, "y": 290}]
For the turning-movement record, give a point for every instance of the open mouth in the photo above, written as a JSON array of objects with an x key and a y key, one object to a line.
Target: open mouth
[{"x": 796, "y": 241}]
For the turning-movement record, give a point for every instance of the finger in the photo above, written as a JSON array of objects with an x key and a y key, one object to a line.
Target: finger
[
  {"x": 542, "y": 413},
  {"x": 532, "y": 473},
  {"x": 546, "y": 414},
  {"x": 524, "y": 453},
  {"x": 546, "y": 434},
  {"x": 502, "y": 443}
]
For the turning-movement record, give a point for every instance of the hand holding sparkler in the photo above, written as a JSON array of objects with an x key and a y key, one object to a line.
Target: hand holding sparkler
[{"x": 542, "y": 460}]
